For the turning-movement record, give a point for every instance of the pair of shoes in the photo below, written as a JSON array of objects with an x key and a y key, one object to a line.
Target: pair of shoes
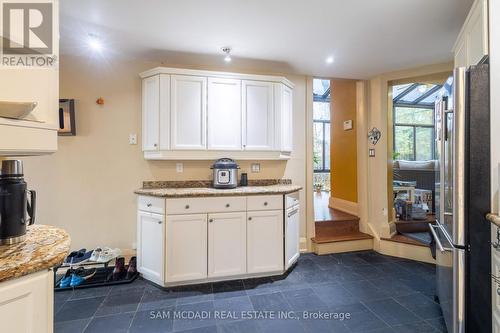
[
  {"x": 77, "y": 256},
  {"x": 104, "y": 254},
  {"x": 120, "y": 271},
  {"x": 81, "y": 275},
  {"x": 73, "y": 278}
]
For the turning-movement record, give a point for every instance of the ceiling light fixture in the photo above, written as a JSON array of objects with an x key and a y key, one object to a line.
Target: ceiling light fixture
[
  {"x": 329, "y": 60},
  {"x": 227, "y": 51},
  {"x": 94, "y": 42}
]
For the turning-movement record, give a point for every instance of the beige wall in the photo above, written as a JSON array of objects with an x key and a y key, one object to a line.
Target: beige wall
[
  {"x": 86, "y": 187},
  {"x": 343, "y": 143},
  {"x": 378, "y": 114}
]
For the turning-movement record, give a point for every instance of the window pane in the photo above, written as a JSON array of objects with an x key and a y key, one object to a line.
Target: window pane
[
  {"x": 403, "y": 139},
  {"x": 318, "y": 146},
  {"x": 424, "y": 142},
  {"x": 415, "y": 116},
  {"x": 327, "y": 146},
  {"x": 321, "y": 111}
]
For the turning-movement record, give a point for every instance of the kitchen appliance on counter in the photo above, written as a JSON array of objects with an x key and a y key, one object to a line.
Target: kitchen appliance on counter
[
  {"x": 461, "y": 232},
  {"x": 225, "y": 173},
  {"x": 16, "y": 212}
]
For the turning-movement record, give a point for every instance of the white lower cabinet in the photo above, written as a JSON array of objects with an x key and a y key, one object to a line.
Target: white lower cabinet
[
  {"x": 264, "y": 241},
  {"x": 151, "y": 245},
  {"x": 227, "y": 244},
  {"x": 26, "y": 303},
  {"x": 210, "y": 239},
  {"x": 186, "y": 251}
]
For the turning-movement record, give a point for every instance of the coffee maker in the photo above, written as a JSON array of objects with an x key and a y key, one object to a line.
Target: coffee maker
[{"x": 16, "y": 212}]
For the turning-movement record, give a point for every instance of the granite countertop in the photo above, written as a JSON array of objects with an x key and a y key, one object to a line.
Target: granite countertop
[
  {"x": 44, "y": 247},
  {"x": 213, "y": 192}
]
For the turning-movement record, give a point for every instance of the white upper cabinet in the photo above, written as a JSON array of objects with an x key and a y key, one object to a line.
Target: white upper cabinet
[
  {"x": 224, "y": 114},
  {"x": 203, "y": 115},
  {"x": 151, "y": 113},
  {"x": 188, "y": 112},
  {"x": 258, "y": 115},
  {"x": 283, "y": 96},
  {"x": 472, "y": 43}
]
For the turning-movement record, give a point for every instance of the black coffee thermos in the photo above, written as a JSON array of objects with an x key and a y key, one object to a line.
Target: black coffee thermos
[{"x": 15, "y": 210}]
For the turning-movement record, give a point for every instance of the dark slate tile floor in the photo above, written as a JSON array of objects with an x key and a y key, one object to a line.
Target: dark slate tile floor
[{"x": 360, "y": 291}]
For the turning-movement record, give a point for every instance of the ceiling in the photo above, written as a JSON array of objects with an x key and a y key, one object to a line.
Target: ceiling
[{"x": 365, "y": 37}]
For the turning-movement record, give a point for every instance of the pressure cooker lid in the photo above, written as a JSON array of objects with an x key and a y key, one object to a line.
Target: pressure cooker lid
[{"x": 225, "y": 163}]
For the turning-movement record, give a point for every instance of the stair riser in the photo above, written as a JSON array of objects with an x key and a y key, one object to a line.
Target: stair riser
[
  {"x": 336, "y": 228},
  {"x": 341, "y": 247}
]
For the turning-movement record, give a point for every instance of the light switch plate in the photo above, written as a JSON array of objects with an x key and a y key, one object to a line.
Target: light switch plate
[
  {"x": 347, "y": 125},
  {"x": 255, "y": 167},
  {"x": 132, "y": 139},
  {"x": 371, "y": 152},
  {"x": 179, "y": 167}
]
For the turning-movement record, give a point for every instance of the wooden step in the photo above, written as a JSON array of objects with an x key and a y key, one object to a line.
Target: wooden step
[
  {"x": 342, "y": 243},
  {"x": 335, "y": 228}
]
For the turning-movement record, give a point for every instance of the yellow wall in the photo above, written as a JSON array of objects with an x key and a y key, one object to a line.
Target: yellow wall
[
  {"x": 343, "y": 143},
  {"x": 87, "y": 186}
]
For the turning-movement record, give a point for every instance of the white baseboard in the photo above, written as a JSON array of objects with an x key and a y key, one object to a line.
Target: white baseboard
[{"x": 344, "y": 205}]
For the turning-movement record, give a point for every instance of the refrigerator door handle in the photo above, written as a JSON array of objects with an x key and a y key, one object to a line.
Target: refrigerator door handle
[{"x": 438, "y": 242}]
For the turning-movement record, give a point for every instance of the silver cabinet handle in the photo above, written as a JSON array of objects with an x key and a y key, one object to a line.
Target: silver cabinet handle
[
  {"x": 228, "y": 205},
  {"x": 149, "y": 205},
  {"x": 250, "y": 218},
  {"x": 187, "y": 206},
  {"x": 155, "y": 145},
  {"x": 265, "y": 203},
  {"x": 293, "y": 212},
  {"x": 438, "y": 242},
  {"x": 210, "y": 220},
  {"x": 160, "y": 222}
]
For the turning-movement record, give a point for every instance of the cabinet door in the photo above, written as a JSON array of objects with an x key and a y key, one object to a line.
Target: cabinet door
[
  {"x": 227, "y": 244},
  {"x": 189, "y": 112},
  {"x": 26, "y": 303},
  {"x": 258, "y": 115},
  {"x": 150, "y": 246},
  {"x": 292, "y": 240},
  {"x": 286, "y": 117},
  {"x": 186, "y": 249},
  {"x": 265, "y": 241},
  {"x": 164, "y": 112},
  {"x": 150, "y": 113},
  {"x": 477, "y": 33},
  {"x": 224, "y": 114}
]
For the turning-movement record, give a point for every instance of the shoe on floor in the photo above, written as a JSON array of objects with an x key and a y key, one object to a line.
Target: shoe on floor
[
  {"x": 73, "y": 255},
  {"x": 119, "y": 271},
  {"x": 66, "y": 280},
  {"x": 132, "y": 268},
  {"x": 81, "y": 275},
  {"x": 105, "y": 254}
]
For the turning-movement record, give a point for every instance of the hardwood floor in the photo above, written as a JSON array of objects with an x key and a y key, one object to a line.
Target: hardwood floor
[{"x": 333, "y": 225}]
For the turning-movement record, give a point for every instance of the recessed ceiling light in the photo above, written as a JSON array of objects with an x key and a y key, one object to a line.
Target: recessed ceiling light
[
  {"x": 227, "y": 51},
  {"x": 94, "y": 42},
  {"x": 329, "y": 60}
]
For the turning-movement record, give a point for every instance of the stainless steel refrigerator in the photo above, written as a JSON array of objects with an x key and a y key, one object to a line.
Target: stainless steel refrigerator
[{"x": 462, "y": 233}]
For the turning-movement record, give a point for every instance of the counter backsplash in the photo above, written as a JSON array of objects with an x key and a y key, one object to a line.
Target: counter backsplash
[{"x": 208, "y": 183}]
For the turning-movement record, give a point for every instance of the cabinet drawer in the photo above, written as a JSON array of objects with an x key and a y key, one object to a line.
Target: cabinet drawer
[
  {"x": 265, "y": 202},
  {"x": 205, "y": 205},
  {"x": 151, "y": 204}
]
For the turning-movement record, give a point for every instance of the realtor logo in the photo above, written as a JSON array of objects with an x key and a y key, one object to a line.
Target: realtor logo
[{"x": 27, "y": 28}]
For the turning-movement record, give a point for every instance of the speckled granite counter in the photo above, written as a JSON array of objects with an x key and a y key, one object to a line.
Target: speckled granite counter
[
  {"x": 213, "y": 192},
  {"x": 45, "y": 247}
]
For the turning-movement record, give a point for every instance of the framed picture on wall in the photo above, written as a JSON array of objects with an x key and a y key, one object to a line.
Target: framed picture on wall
[{"x": 67, "y": 124}]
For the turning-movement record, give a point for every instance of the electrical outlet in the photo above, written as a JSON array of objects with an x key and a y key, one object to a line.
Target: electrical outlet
[
  {"x": 132, "y": 139},
  {"x": 179, "y": 167},
  {"x": 371, "y": 152},
  {"x": 255, "y": 167}
]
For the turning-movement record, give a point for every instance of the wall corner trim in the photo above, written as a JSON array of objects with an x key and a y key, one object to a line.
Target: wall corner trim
[{"x": 344, "y": 205}]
